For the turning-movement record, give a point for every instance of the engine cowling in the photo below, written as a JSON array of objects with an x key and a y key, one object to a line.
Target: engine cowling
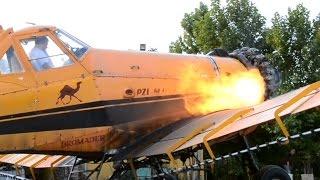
[{"x": 253, "y": 58}]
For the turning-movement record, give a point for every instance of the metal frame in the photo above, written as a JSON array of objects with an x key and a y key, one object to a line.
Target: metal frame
[
  {"x": 292, "y": 101},
  {"x": 184, "y": 140},
  {"x": 35, "y": 164},
  {"x": 72, "y": 168},
  {"x": 222, "y": 125},
  {"x": 16, "y": 163},
  {"x": 11, "y": 176},
  {"x": 240, "y": 152},
  {"x": 91, "y": 172},
  {"x": 251, "y": 155},
  {"x": 52, "y": 168},
  {"x": 133, "y": 169}
]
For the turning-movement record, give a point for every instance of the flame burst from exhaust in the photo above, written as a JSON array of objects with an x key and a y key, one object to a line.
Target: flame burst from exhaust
[{"x": 237, "y": 90}]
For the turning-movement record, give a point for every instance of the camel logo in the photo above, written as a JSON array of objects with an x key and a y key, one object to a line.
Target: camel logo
[{"x": 68, "y": 91}]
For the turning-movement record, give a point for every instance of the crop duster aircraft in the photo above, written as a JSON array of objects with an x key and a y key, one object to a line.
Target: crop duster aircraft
[{"x": 58, "y": 95}]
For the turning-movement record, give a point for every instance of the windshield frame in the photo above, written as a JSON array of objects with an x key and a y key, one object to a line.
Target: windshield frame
[{"x": 84, "y": 45}]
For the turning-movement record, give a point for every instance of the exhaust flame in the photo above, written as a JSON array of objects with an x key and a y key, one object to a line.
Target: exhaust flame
[{"x": 237, "y": 90}]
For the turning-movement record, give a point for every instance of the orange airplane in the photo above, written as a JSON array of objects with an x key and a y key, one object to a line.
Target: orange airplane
[{"x": 58, "y": 95}]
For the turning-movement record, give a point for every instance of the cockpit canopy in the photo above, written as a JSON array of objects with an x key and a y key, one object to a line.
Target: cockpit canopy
[
  {"x": 78, "y": 47},
  {"x": 45, "y": 47}
]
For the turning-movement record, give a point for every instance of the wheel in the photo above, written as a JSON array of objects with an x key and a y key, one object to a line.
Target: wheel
[
  {"x": 271, "y": 172},
  {"x": 252, "y": 58}
]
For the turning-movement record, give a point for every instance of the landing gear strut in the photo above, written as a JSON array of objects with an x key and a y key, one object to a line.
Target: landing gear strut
[{"x": 267, "y": 172}]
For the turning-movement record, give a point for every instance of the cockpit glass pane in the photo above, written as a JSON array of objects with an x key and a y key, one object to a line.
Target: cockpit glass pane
[{"x": 75, "y": 45}]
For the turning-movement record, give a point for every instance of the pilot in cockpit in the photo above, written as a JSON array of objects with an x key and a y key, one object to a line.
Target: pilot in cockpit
[{"x": 38, "y": 55}]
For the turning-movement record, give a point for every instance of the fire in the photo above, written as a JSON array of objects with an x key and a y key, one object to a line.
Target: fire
[{"x": 236, "y": 90}]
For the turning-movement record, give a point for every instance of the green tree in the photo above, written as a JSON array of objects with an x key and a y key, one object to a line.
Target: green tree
[
  {"x": 243, "y": 25},
  {"x": 237, "y": 25},
  {"x": 292, "y": 40},
  {"x": 191, "y": 24},
  {"x": 295, "y": 50},
  {"x": 314, "y": 54}
]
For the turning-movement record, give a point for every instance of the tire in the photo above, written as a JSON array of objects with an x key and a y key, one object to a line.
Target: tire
[
  {"x": 273, "y": 172},
  {"x": 252, "y": 58}
]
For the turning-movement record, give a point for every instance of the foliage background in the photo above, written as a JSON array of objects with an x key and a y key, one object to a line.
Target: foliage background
[{"x": 291, "y": 43}]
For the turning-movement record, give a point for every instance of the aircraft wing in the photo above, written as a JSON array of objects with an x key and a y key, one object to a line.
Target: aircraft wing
[
  {"x": 37, "y": 160},
  {"x": 220, "y": 124}
]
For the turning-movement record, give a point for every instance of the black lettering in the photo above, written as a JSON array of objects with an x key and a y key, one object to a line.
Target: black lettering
[
  {"x": 73, "y": 142},
  {"x": 139, "y": 91},
  {"x": 63, "y": 144},
  {"x": 91, "y": 139},
  {"x": 79, "y": 141},
  {"x": 143, "y": 91},
  {"x": 156, "y": 90},
  {"x": 86, "y": 140},
  {"x": 67, "y": 143},
  {"x": 102, "y": 138}
]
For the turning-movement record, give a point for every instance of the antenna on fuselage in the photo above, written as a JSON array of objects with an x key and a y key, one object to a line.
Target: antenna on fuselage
[{"x": 31, "y": 23}]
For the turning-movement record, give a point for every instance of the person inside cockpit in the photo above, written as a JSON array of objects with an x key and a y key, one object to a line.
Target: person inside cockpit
[{"x": 38, "y": 55}]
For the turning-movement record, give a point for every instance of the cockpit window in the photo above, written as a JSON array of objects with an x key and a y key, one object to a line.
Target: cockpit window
[
  {"x": 75, "y": 45},
  {"x": 9, "y": 63},
  {"x": 44, "y": 54}
]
